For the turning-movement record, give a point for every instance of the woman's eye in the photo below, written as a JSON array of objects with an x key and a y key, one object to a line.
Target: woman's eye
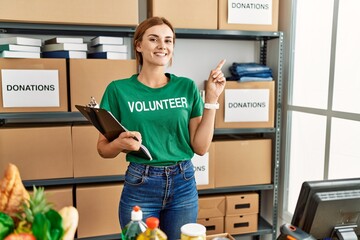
[{"x": 153, "y": 39}]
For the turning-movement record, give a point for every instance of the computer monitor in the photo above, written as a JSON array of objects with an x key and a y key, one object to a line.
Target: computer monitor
[{"x": 329, "y": 209}]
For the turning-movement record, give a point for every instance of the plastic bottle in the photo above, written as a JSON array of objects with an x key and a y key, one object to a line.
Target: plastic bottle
[
  {"x": 153, "y": 231},
  {"x": 135, "y": 226}
]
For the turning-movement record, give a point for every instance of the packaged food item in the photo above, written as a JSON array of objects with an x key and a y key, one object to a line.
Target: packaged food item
[
  {"x": 135, "y": 226},
  {"x": 193, "y": 231},
  {"x": 153, "y": 231}
]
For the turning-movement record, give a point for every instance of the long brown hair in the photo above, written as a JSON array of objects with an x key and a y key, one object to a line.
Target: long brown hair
[{"x": 140, "y": 30}]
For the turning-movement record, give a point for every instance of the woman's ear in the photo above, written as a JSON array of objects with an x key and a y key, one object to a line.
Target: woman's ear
[{"x": 138, "y": 47}]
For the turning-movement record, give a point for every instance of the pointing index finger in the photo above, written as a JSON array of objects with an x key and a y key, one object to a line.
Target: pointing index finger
[{"x": 221, "y": 63}]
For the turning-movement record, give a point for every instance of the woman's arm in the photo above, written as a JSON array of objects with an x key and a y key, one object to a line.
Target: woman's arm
[
  {"x": 124, "y": 143},
  {"x": 202, "y": 128}
]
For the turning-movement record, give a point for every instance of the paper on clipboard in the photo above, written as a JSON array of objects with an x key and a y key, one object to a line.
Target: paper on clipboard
[{"x": 108, "y": 125}]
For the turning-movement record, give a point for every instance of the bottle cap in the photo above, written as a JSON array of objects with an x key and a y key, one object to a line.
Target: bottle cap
[
  {"x": 136, "y": 214},
  {"x": 193, "y": 229},
  {"x": 152, "y": 222}
]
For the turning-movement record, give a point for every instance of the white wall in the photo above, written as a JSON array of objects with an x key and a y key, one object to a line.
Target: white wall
[{"x": 195, "y": 58}]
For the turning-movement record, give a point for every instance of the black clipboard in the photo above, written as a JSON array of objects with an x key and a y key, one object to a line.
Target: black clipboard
[{"x": 108, "y": 126}]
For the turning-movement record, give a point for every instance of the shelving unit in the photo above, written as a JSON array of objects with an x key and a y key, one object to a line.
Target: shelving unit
[{"x": 263, "y": 38}]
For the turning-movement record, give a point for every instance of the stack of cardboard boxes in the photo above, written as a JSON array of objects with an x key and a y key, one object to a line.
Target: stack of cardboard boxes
[
  {"x": 80, "y": 12},
  {"x": 212, "y": 213},
  {"x": 231, "y": 213},
  {"x": 200, "y": 14},
  {"x": 214, "y": 14},
  {"x": 58, "y": 152},
  {"x": 66, "y": 151},
  {"x": 241, "y": 214}
]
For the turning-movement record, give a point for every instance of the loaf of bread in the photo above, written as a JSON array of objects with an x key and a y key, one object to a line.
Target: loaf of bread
[{"x": 12, "y": 191}]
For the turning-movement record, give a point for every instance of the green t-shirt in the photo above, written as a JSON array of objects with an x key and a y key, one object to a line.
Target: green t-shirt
[{"x": 161, "y": 115}]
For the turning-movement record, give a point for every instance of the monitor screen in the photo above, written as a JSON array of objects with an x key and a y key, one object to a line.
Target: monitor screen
[{"x": 328, "y": 204}]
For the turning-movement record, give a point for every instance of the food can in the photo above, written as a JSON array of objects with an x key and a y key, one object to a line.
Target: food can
[{"x": 193, "y": 231}]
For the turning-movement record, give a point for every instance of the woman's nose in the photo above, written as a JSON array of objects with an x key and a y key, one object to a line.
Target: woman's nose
[{"x": 162, "y": 46}]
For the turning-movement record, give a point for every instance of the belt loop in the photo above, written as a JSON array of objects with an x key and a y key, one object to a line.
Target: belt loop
[
  {"x": 147, "y": 170},
  {"x": 167, "y": 171},
  {"x": 181, "y": 166}
]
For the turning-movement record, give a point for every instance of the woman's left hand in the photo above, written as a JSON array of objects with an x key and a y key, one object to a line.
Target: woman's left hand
[{"x": 215, "y": 84}]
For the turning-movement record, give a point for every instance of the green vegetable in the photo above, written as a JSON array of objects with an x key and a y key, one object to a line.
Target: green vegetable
[
  {"x": 55, "y": 219},
  {"x": 6, "y": 225},
  {"x": 48, "y": 226},
  {"x": 41, "y": 226}
]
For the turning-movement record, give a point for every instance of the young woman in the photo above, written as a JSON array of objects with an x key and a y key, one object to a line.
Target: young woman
[{"x": 167, "y": 115}]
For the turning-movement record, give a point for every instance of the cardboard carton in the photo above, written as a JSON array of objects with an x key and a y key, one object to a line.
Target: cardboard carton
[
  {"x": 246, "y": 110},
  {"x": 57, "y": 88},
  {"x": 90, "y": 77},
  {"x": 241, "y": 223},
  {"x": 205, "y": 169},
  {"x": 244, "y": 203},
  {"x": 242, "y": 162},
  {"x": 87, "y": 161},
  {"x": 195, "y": 14},
  {"x": 98, "y": 210},
  {"x": 252, "y": 12},
  {"x": 87, "y": 12},
  {"x": 211, "y": 206},
  {"x": 213, "y": 236},
  {"x": 38, "y": 152},
  {"x": 213, "y": 225},
  {"x": 59, "y": 196}
]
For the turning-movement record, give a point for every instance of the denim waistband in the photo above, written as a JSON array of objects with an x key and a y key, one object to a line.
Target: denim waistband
[{"x": 172, "y": 169}]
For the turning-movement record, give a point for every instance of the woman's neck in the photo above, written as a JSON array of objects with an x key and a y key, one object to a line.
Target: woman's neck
[{"x": 154, "y": 77}]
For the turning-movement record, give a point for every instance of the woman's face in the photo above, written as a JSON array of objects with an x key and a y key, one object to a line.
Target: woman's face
[{"x": 157, "y": 45}]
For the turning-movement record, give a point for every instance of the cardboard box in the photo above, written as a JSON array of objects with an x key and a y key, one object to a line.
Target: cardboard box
[
  {"x": 205, "y": 169},
  {"x": 242, "y": 162},
  {"x": 213, "y": 225},
  {"x": 90, "y": 77},
  {"x": 237, "y": 204},
  {"x": 249, "y": 93},
  {"x": 241, "y": 224},
  {"x": 196, "y": 14},
  {"x": 221, "y": 235},
  {"x": 88, "y": 12},
  {"x": 34, "y": 99},
  {"x": 87, "y": 161},
  {"x": 59, "y": 196},
  {"x": 263, "y": 17},
  {"x": 98, "y": 210},
  {"x": 211, "y": 206},
  {"x": 38, "y": 152}
]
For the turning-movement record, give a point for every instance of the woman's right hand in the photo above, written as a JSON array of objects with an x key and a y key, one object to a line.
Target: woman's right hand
[
  {"x": 129, "y": 141},
  {"x": 125, "y": 142}
]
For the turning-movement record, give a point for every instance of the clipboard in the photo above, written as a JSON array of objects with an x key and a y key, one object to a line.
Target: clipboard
[{"x": 108, "y": 126}]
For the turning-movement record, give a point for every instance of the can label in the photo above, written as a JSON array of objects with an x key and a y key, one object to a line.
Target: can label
[{"x": 187, "y": 237}]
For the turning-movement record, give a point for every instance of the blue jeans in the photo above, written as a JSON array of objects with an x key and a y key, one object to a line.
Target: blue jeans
[{"x": 168, "y": 193}]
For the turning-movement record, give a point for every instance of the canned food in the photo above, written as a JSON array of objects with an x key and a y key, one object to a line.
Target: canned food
[{"x": 193, "y": 231}]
